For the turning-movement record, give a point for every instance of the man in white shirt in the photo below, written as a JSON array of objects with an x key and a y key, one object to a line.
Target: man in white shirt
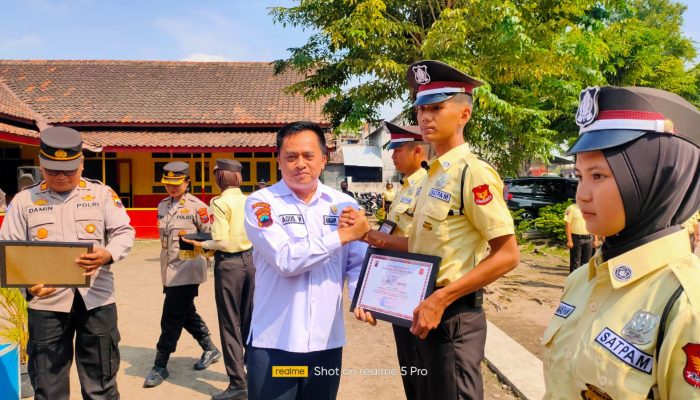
[{"x": 301, "y": 259}]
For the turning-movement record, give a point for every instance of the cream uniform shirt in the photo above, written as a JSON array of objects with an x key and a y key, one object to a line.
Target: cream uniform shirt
[
  {"x": 189, "y": 215},
  {"x": 440, "y": 228},
  {"x": 602, "y": 339},
  {"x": 229, "y": 217},
  {"x": 574, "y": 218},
  {"x": 401, "y": 211},
  {"x": 90, "y": 213}
]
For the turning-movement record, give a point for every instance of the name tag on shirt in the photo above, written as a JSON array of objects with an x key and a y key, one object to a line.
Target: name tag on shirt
[
  {"x": 440, "y": 195},
  {"x": 330, "y": 220},
  {"x": 292, "y": 219},
  {"x": 625, "y": 351},
  {"x": 406, "y": 200},
  {"x": 564, "y": 310}
]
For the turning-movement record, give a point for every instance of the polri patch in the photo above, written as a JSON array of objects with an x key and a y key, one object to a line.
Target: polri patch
[
  {"x": 625, "y": 351},
  {"x": 291, "y": 219},
  {"x": 330, "y": 220},
  {"x": 440, "y": 195},
  {"x": 203, "y": 215},
  {"x": 564, "y": 310}
]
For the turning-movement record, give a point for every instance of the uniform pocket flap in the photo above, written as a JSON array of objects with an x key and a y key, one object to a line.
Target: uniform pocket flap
[
  {"x": 38, "y": 219},
  {"x": 90, "y": 214}
]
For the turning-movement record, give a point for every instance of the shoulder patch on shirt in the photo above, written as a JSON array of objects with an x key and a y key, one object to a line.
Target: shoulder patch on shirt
[
  {"x": 263, "y": 212},
  {"x": 203, "y": 215},
  {"x": 625, "y": 351},
  {"x": 482, "y": 195},
  {"x": 691, "y": 372},
  {"x": 330, "y": 220},
  {"x": 440, "y": 195},
  {"x": 287, "y": 219},
  {"x": 564, "y": 310},
  {"x": 115, "y": 198}
]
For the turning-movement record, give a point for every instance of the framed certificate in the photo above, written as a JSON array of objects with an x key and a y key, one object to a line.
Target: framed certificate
[
  {"x": 25, "y": 264},
  {"x": 387, "y": 227},
  {"x": 392, "y": 283}
]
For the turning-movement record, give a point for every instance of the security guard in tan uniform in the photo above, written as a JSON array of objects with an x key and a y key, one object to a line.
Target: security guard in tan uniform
[
  {"x": 65, "y": 207},
  {"x": 460, "y": 216},
  {"x": 234, "y": 274},
  {"x": 409, "y": 153},
  {"x": 181, "y": 272},
  {"x": 578, "y": 240},
  {"x": 628, "y": 325}
]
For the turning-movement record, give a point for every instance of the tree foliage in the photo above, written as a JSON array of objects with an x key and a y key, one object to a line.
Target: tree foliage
[{"x": 534, "y": 55}]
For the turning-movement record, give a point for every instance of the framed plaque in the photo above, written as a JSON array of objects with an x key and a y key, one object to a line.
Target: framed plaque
[
  {"x": 25, "y": 264},
  {"x": 393, "y": 283}
]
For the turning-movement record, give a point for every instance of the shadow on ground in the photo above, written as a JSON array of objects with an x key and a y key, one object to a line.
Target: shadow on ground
[{"x": 182, "y": 373}]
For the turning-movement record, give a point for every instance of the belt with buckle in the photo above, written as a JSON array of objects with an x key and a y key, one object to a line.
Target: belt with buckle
[{"x": 224, "y": 255}]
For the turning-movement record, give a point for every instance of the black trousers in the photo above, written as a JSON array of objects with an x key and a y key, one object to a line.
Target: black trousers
[
  {"x": 179, "y": 312},
  {"x": 234, "y": 283},
  {"x": 447, "y": 363},
  {"x": 321, "y": 384},
  {"x": 581, "y": 252},
  {"x": 50, "y": 350}
]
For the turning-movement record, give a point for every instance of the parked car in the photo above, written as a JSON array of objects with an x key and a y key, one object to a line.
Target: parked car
[{"x": 533, "y": 193}]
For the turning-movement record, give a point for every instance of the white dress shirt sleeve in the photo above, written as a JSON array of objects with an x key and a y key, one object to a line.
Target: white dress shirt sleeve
[
  {"x": 356, "y": 256},
  {"x": 290, "y": 256}
]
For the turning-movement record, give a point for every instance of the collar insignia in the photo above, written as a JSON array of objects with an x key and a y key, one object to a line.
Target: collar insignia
[{"x": 622, "y": 273}]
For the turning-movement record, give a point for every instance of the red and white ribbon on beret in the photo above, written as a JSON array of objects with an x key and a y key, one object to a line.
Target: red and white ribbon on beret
[{"x": 630, "y": 120}]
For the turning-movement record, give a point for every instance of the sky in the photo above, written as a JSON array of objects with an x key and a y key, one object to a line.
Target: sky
[{"x": 170, "y": 30}]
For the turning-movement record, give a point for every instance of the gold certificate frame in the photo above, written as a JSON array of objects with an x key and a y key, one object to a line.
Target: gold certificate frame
[{"x": 25, "y": 264}]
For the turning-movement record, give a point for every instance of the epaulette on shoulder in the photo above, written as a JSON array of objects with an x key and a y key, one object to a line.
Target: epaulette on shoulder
[
  {"x": 32, "y": 185},
  {"x": 688, "y": 273},
  {"x": 95, "y": 181}
]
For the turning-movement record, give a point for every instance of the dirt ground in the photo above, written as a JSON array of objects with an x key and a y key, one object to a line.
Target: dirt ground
[{"x": 520, "y": 304}]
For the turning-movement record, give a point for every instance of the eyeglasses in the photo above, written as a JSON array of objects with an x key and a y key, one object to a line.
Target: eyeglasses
[{"x": 55, "y": 172}]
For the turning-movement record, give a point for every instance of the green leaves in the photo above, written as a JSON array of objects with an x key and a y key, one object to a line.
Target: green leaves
[{"x": 534, "y": 56}]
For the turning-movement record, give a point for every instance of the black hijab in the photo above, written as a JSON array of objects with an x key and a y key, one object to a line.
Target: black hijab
[{"x": 658, "y": 176}]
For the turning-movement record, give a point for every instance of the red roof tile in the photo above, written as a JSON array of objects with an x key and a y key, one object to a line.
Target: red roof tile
[
  {"x": 155, "y": 92},
  {"x": 160, "y": 139},
  {"x": 11, "y": 105}
]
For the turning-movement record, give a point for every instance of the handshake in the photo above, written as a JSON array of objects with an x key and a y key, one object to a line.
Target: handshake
[{"x": 353, "y": 225}]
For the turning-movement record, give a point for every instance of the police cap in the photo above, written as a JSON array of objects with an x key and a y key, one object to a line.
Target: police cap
[
  {"x": 434, "y": 82},
  {"x": 402, "y": 134},
  {"x": 226, "y": 164},
  {"x": 60, "y": 148},
  {"x": 610, "y": 116},
  {"x": 174, "y": 173}
]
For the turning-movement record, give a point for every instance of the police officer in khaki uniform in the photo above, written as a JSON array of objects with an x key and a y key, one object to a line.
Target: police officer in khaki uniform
[
  {"x": 578, "y": 240},
  {"x": 65, "y": 207},
  {"x": 460, "y": 216},
  {"x": 628, "y": 325},
  {"x": 181, "y": 272},
  {"x": 234, "y": 274}
]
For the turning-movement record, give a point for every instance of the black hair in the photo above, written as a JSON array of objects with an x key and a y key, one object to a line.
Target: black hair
[{"x": 298, "y": 126}]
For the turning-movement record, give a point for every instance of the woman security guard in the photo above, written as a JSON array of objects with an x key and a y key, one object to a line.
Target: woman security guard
[
  {"x": 234, "y": 274},
  {"x": 628, "y": 325},
  {"x": 179, "y": 214}
]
